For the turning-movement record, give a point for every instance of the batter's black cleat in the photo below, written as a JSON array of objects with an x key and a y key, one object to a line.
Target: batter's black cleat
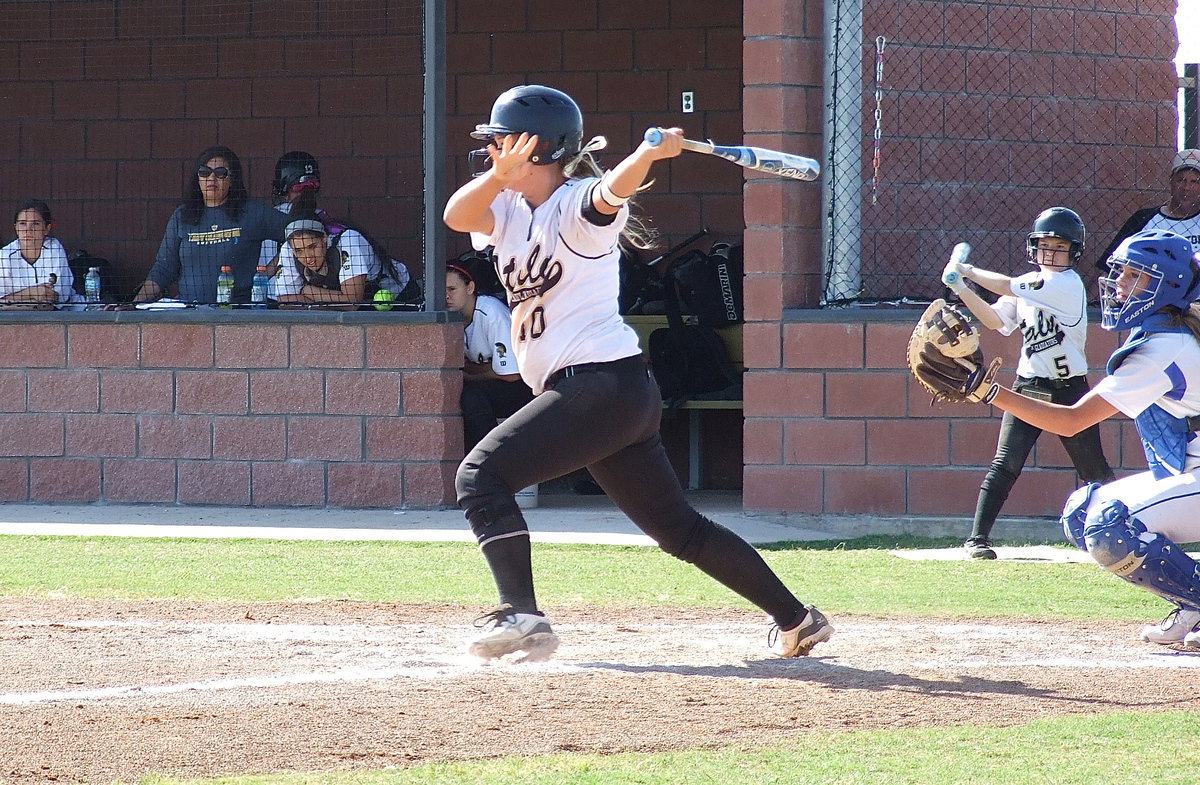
[
  {"x": 511, "y": 633},
  {"x": 799, "y": 641},
  {"x": 979, "y": 548}
]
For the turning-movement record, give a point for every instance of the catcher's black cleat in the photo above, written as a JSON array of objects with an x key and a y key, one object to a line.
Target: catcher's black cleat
[{"x": 979, "y": 548}]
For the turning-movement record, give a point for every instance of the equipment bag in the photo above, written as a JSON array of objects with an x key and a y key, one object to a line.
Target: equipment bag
[
  {"x": 710, "y": 284},
  {"x": 689, "y": 361}
]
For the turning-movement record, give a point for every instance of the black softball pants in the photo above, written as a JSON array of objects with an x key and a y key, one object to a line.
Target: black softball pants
[
  {"x": 485, "y": 401},
  {"x": 1016, "y": 441},
  {"x": 605, "y": 417}
]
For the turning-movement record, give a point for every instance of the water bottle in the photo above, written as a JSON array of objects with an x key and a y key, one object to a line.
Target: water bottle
[
  {"x": 258, "y": 292},
  {"x": 225, "y": 287},
  {"x": 91, "y": 286}
]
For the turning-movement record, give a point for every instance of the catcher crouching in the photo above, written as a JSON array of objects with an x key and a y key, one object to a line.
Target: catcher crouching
[{"x": 1130, "y": 526}]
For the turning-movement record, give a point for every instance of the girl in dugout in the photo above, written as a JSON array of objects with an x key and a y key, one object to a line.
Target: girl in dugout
[
  {"x": 492, "y": 385},
  {"x": 34, "y": 272}
]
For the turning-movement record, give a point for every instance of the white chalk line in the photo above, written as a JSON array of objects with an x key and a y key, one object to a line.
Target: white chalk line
[{"x": 452, "y": 663}]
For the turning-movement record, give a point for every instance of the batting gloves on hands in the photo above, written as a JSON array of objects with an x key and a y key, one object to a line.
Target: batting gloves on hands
[{"x": 953, "y": 276}]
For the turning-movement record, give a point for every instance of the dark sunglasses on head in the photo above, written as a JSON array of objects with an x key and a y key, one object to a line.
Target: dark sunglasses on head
[{"x": 222, "y": 172}]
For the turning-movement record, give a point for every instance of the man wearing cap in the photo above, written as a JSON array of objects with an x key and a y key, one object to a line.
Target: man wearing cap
[
  {"x": 317, "y": 269},
  {"x": 1181, "y": 213}
]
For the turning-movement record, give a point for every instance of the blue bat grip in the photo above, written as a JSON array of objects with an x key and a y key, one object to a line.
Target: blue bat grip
[{"x": 654, "y": 136}]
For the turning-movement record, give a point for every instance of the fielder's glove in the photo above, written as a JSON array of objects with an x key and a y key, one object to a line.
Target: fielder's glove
[{"x": 944, "y": 355}]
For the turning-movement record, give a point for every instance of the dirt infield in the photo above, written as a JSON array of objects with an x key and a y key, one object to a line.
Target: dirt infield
[{"x": 92, "y": 691}]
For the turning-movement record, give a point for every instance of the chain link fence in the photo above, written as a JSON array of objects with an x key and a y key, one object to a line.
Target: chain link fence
[{"x": 961, "y": 122}]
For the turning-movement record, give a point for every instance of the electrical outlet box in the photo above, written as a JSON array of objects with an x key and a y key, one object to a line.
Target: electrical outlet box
[{"x": 689, "y": 101}]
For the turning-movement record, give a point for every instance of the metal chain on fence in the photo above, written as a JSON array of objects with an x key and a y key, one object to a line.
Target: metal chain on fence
[{"x": 877, "y": 158}]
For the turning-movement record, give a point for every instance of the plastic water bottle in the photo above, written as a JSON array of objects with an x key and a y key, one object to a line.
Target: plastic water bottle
[
  {"x": 258, "y": 292},
  {"x": 225, "y": 287},
  {"x": 91, "y": 286}
]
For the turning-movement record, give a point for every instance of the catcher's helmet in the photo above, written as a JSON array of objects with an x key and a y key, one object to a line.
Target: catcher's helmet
[
  {"x": 296, "y": 168},
  {"x": 1061, "y": 223},
  {"x": 1169, "y": 275},
  {"x": 551, "y": 114}
]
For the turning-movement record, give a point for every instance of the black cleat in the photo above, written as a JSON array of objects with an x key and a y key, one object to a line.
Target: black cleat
[{"x": 979, "y": 548}]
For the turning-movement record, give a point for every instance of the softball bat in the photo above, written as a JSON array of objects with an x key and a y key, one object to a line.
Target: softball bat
[
  {"x": 795, "y": 167},
  {"x": 958, "y": 256}
]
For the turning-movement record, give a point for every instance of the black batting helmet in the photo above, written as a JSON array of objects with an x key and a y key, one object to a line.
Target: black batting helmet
[
  {"x": 1061, "y": 223},
  {"x": 294, "y": 168},
  {"x": 535, "y": 109}
]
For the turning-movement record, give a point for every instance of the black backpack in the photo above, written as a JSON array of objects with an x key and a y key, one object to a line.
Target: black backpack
[
  {"x": 689, "y": 360},
  {"x": 710, "y": 284},
  {"x": 80, "y": 262},
  {"x": 643, "y": 286}
]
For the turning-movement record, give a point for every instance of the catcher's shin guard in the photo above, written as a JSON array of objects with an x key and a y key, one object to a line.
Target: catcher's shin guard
[
  {"x": 1120, "y": 544},
  {"x": 1074, "y": 514}
]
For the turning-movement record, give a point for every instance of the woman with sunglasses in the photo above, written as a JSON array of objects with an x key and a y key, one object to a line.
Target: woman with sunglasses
[
  {"x": 217, "y": 225},
  {"x": 34, "y": 273}
]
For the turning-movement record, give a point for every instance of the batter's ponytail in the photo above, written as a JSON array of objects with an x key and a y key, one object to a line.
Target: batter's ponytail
[{"x": 637, "y": 232}]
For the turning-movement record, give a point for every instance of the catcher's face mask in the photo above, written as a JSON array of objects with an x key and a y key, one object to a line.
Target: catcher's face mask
[{"x": 1128, "y": 295}]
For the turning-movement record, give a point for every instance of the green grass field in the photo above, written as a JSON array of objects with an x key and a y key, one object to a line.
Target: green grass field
[
  {"x": 1158, "y": 748},
  {"x": 857, "y": 576}
]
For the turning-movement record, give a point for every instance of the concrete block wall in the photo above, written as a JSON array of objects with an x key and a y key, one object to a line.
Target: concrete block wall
[
  {"x": 841, "y": 428},
  {"x": 240, "y": 409}
]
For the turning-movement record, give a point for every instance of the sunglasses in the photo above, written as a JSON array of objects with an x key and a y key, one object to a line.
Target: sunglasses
[{"x": 221, "y": 172}]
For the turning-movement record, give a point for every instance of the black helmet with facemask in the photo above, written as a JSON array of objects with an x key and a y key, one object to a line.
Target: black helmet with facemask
[
  {"x": 535, "y": 109},
  {"x": 296, "y": 168},
  {"x": 1058, "y": 222}
]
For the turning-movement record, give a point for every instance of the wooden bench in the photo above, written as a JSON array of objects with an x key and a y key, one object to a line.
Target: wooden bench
[{"x": 732, "y": 338}]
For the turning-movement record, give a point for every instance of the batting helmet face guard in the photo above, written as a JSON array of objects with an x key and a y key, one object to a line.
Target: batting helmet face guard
[
  {"x": 551, "y": 114},
  {"x": 1148, "y": 271},
  {"x": 1061, "y": 223},
  {"x": 293, "y": 169}
]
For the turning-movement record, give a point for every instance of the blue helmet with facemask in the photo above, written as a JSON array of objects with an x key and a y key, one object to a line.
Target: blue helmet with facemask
[{"x": 1168, "y": 274}]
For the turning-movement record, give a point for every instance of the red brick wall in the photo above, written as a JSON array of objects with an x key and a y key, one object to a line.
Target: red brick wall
[
  {"x": 109, "y": 101},
  {"x": 240, "y": 409},
  {"x": 833, "y": 423},
  {"x": 993, "y": 111},
  {"x": 840, "y": 427}
]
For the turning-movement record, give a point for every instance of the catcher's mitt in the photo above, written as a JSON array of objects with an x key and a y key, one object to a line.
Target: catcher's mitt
[{"x": 944, "y": 355}]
